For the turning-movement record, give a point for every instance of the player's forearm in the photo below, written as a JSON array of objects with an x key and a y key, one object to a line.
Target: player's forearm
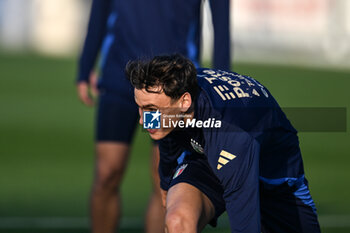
[
  {"x": 95, "y": 33},
  {"x": 221, "y": 23}
]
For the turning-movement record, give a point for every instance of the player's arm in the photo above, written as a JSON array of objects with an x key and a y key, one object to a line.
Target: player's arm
[
  {"x": 234, "y": 157},
  {"x": 220, "y": 10},
  {"x": 96, "y": 30}
]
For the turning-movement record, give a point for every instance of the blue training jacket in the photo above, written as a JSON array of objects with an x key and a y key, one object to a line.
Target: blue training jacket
[
  {"x": 254, "y": 141},
  {"x": 120, "y": 31}
]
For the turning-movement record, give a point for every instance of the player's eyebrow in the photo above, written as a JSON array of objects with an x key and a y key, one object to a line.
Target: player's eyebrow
[
  {"x": 149, "y": 106},
  {"x": 145, "y": 106}
]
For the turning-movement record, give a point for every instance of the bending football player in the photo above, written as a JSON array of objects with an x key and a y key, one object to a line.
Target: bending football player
[{"x": 225, "y": 144}]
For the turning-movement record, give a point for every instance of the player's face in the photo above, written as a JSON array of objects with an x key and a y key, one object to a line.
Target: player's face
[{"x": 149, "y": 101}]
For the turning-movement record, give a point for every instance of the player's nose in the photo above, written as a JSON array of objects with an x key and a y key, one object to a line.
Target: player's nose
[{"x": 141, "y": 119}]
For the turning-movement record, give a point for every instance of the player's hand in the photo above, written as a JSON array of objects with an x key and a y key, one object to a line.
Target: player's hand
[
  {"x": 163, "y": 193},
  {"x": 87, "y": 91}
]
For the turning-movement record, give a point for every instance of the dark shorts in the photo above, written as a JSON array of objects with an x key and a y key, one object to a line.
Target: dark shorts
[
  {"x": 285, "y": 208},
  {"x": 116, "y": 118},
  {"x": 198, "y": 173}
]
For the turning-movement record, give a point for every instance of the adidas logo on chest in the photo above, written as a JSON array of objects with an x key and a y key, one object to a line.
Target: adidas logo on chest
[{"x": 224, "y": 158}]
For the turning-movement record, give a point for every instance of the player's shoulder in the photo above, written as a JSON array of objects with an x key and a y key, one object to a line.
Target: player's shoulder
[
  {"x": 217, "y": 73},
  {"x": 229, "y": 88},
  {"x": 231, "y": 96}
]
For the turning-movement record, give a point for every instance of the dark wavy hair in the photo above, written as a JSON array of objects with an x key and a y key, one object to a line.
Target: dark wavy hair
[{"x": 175, "y": 74}]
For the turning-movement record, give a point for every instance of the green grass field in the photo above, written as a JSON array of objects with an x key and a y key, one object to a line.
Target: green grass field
[{"x": 46, "y": 146}]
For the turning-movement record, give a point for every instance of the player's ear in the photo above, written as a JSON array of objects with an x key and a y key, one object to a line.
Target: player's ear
[{"x": 185, "y": 102}]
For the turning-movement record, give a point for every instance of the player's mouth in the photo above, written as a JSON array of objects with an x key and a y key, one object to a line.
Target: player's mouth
[{"x": 151, "y": 131}]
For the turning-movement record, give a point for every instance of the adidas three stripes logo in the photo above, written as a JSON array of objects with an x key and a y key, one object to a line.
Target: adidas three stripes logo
[{"x": 224, "y": 158}]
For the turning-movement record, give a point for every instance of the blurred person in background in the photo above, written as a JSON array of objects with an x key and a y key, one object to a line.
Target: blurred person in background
[{"x": 119, "y": 31}]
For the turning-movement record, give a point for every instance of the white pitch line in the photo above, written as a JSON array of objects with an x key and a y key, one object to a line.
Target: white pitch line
[
  {"x": 331, "y": 221},
  {"x": 43, "y": 222},
  {"x": 59, "y": 223}
]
